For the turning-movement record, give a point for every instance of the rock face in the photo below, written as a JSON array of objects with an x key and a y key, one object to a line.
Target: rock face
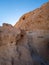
[
  {"x": 8, "y": 34},
  {"x": 37, "y": 19},
  {"x": 14, "y": 49},
  {"x": 27, "y": 43}
]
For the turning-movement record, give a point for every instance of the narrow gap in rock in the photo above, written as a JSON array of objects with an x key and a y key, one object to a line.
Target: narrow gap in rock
[
  {"x": 17, "y": 49},
  {"x": 11, "y": 42},
  {"x": 40, "y": 37},
  {"x": 24, "y": 18},
  {"x": 12, "y": 61},
  {"x": 21, "y": 35}
]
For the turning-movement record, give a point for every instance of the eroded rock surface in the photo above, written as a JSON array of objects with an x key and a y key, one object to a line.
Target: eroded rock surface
[
  {"x": 37, "y": 19},
  {"x": 18, "y": 47},
  {"x": 13, "y": 46},
  {"x": 21, "y": 45}
]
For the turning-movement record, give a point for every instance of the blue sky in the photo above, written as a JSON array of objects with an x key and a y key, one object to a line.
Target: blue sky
[{"x": 12, "y": 10}]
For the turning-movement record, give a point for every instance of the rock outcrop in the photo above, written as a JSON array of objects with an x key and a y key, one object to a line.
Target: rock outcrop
[
  {"x": 8, "y": 34},
  {"x": 13, "y": 46},
  {"x": 37, "y": 19},
  {"x": 27, "y": 43},
  {"x": 18, "y": 47}
]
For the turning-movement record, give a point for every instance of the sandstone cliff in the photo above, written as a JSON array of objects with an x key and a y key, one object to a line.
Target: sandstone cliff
[
  {"x": 37, "y": 19},
  {"x": 13, "y": 46},
  {"x": 27, "y": 43}
]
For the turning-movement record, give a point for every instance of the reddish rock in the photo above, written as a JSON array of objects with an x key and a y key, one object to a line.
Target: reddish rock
[
  {"x": 37, "y": 19},
  {"x": 27, "y": 43}
]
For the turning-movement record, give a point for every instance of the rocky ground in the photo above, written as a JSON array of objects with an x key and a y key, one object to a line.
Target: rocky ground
[{"x": 27, "y": 44}]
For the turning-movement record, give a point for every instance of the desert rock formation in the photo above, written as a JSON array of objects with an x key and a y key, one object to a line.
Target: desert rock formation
[
  {"x": 37, "y": 19},
  {"x": 26, "y": 43},
  {"x": 13, "y": 46}
]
